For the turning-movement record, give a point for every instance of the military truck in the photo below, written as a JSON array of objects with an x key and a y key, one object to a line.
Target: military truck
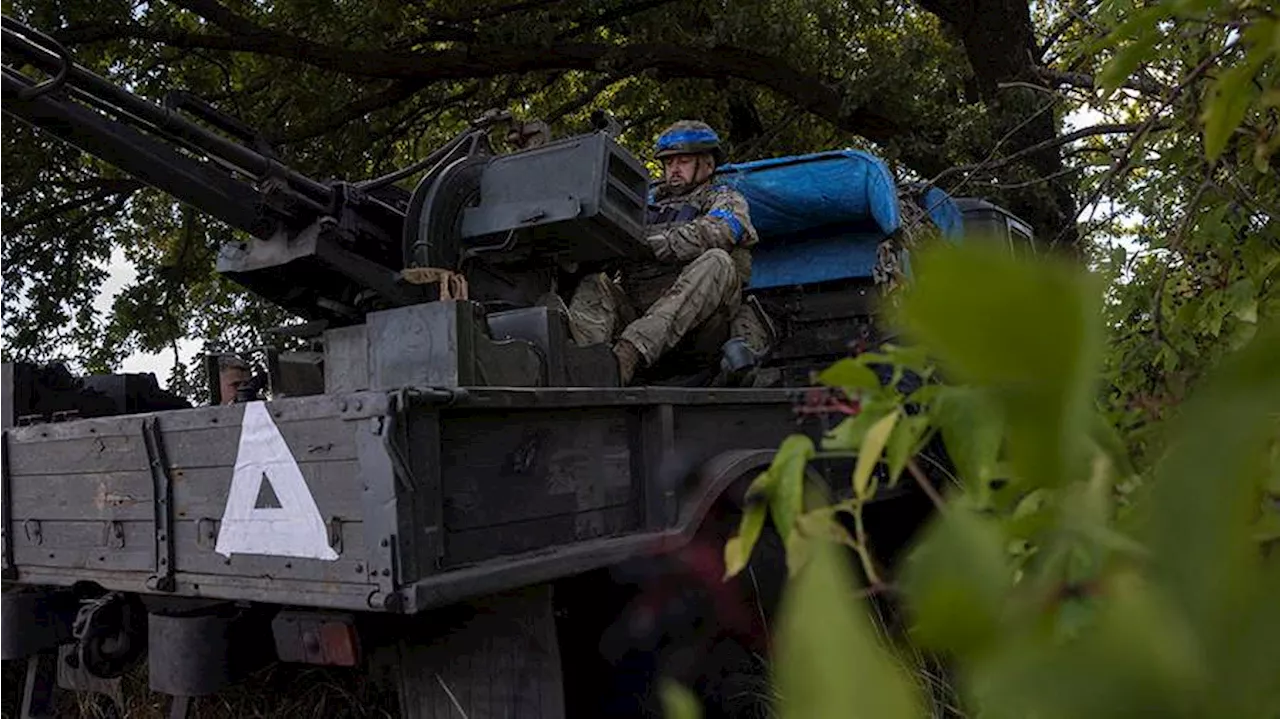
[{"x": 443, "y": 486}]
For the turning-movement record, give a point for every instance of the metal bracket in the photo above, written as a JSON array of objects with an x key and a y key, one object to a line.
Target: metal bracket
[
  {"x": 9, "y": 571},
  {"x": 34, "y": 531},
  {"x": 395, "y": 440},
  {"x": 335, "y": 534},
  {"x": 207, "y": 532},
  {"x": 380, "y": 511},
  {"x": 162, "y": 485}
]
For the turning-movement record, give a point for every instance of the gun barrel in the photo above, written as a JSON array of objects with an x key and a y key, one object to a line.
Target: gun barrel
[{"x": 119, "y": 141}]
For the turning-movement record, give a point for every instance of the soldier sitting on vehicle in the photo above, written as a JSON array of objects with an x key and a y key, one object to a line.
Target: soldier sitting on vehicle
[{"x": 700, "y": 233}]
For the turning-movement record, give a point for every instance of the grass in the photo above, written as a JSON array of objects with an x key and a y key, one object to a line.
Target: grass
[{"x": 278, "y": 691}]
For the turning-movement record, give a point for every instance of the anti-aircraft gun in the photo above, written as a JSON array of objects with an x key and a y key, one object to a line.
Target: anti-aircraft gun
[
  {"x": 334, "y": 252},
  {"x": 456, "y": 493}
]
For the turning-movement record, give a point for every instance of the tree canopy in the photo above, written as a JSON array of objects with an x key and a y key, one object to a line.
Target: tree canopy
[
  {"x": 373, "y": 86},
  {"x": 970, "y": 95}
]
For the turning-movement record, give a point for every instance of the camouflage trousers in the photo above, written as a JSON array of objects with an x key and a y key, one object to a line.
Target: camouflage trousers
[{"x": 708, "y": 291}]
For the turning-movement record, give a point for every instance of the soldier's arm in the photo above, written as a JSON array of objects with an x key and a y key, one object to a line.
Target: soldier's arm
[{"x": 727, "y": 224}]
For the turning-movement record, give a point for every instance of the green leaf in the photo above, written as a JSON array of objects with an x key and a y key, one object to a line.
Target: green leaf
[
  {"x": 850, "y": 432},
  {"x": 824, "y": 523},
  {"x": 787, "y": 496},
  {"x": 870, "y": 451},
  {"x": 830, "y": 663},
  {"x": 1243, "y": 296},
  {"x": 956, "y": 582},
  {"x": 1122, "y": 66},
  {"x": 1109, "y": 443},
  {"x": 926, "y": 395},
  {"x": 904, "y": 443},
  {"x": 972, "y": 431},
  {"x": 1205, "y": 494},
  {"x": 1228, "y": 101},
  {"x": 737, "y": 551},
  {"x": 849, "y": 373},
  {"x": 678, "y": 702},
  {"x": 1027, "y": 332},
  {"x": 1136, "y": 657}
]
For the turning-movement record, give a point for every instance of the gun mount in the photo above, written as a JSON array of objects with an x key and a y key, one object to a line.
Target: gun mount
[{"x": 336, "y": 250}]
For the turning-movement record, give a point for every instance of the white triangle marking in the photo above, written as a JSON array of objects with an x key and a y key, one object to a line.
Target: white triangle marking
[{"x": 295, "y": 528}]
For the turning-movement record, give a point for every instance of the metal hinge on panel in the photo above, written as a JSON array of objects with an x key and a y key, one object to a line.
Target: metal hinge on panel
[
  {"x": 113, "y": 535},
  {"x": 335, "y": 534},
  {"x": 207, "y": 533},
  {"x": 162, "y": 486},
  {"x": 32, "y": 529}
]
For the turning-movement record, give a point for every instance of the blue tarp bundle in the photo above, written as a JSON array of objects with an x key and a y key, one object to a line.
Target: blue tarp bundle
[
  {"x": 840, "y": 189},
  {"x": 821, "y": 216}
]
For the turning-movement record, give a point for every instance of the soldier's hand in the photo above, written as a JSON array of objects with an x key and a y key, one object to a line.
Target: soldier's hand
[{"x": 660, "y": 246}]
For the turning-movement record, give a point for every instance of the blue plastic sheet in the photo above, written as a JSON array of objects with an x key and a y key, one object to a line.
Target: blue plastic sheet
[
  {"x": 842, "y": 189},
  {"x": 944, "y": 212},
  {"x": 820, "y": 217}
]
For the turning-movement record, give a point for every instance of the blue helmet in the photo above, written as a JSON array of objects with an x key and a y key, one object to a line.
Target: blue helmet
[{"x": 689, "y": 137}]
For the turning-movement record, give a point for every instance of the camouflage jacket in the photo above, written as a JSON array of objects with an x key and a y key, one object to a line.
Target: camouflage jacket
[{"x": 683, "y": 226}]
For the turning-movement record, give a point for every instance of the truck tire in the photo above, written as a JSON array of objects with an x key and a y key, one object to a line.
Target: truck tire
[
  {"x": 626, "y": 628},
  {"x": 497, "y": 658}
]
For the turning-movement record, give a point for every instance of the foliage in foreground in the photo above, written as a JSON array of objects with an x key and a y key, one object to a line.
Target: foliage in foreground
[{"x": 1055, "y": 580}]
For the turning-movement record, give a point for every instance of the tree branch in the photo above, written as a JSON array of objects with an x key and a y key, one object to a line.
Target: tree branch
[
  {"x": 110, "y": 188},
  {"x": 394, "y": 95},
  {"x": 220, "y": 15},
  {"x": 1095, "y": 130},
  {"x": 487, "y": 13},
  {"x": 609, "y": 17},
  {"x": 1072, "y": 16},
  {"x": 806, "y": 90},
  {"x": 583, "y": 99},
  {"x": 1037, "y": 181},
  {"x": 1085, "y": 81}
]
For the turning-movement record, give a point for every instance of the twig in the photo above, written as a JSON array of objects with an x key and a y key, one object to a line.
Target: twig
[
  {"x": 1157, "y": 334},
  {"x": 1085, "y": 81},
  {"x": 1037, "y": 181},
  {"x": 876, "y": 590},
  {"x": 860, "y": 546},
  {"x": 452, "y": 698},
  {"x": 1125, "y": 162},
  {"x": 1092, "y": 131},
  {"x": 925, "y": 485},
  {"x": 996, "y": 148},
  {"x": 609, "y": 17},
  {"x": 764, "y": 621},
  {"x": 586, "y": 97},
  {"x": 1272, "y": 213}
]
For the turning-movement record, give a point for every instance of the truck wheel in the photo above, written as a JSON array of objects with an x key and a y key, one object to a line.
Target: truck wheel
[
  {"x": 673, "y": 616},
  {"x": 494, "y": 657}
]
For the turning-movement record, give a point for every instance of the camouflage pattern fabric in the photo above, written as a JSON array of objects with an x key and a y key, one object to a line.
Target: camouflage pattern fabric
[
  {"x": 748, "y": 325},
  {"x": 707, "y": 286},
  {"x": 701, "y": 242},
  {"x": 598, "y": 307},
  {"x": 917, "y": 229}
]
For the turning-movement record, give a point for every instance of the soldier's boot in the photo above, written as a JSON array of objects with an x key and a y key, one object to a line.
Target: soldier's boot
[
  {"x": 738, "y": 364},
  {"x": 628, "y": 359}
]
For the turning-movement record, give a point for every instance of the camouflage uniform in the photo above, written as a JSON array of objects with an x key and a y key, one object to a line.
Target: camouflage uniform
[
  {"x": 701, "y": 242},
  {"x": 917, "y": 230}
]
